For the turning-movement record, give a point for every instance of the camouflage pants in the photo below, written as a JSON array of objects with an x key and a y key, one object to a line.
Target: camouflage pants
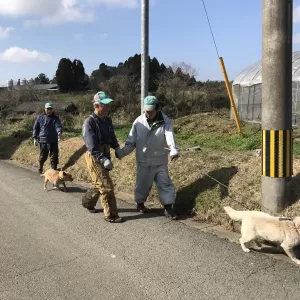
[{"x": 102, "y": 186}]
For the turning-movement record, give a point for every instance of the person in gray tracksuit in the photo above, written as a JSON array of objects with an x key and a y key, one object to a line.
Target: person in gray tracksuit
[{"x": 153, "y": 138}]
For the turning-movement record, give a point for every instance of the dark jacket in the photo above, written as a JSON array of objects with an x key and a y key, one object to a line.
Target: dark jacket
[
  {"x": 98, "y": 132},
  {"x": 46, "y": 128}
]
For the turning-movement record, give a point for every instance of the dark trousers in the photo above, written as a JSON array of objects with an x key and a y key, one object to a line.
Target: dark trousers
[{"x": 45, "y": 149}]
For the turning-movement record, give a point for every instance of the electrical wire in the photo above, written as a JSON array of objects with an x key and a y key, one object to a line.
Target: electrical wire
[{"x": 212, "y": 34}]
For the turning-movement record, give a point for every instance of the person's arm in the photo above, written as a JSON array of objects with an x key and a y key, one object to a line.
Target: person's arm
[
  {"x": 90, "y": 139},
  {"x": 36, "y": 128},
  {"x": 170, "y": 138},
  {"x": 58, "y": 126},
  {"x": 114, "y": 141},
  {"x": 130, "y": 143}
]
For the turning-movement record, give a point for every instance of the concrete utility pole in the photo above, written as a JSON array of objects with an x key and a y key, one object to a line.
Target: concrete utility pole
[
  {"x": 145, "y": 51},
  {"x": 277, "y": 146}
]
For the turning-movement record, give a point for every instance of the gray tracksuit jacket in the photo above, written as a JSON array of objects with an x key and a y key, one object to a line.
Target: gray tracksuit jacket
[{"x": 153, "y": 143}]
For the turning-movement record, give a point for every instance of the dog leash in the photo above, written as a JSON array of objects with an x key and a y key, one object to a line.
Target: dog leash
[
  {"x": 243, "y": 205},
  {"x": 227, "y": 187},
  {"x": 59, "y": 155}
]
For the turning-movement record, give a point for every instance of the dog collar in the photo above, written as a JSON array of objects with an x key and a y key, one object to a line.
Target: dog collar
[{"x": 288, "y": 219}]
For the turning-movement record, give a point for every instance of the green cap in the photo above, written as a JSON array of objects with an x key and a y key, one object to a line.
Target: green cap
[
  {"x": 150, "y": 103},
  {"x": 101, "y": 97},
  {"x": 49, "y": 105}
]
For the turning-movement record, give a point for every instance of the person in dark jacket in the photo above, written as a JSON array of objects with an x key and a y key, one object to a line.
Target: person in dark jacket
[
  {"x": 99, "y": 137},
  {"x": 47, "y": 129}
]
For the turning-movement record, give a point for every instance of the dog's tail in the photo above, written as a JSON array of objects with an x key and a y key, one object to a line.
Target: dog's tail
[{"x": 235, "y": 215}]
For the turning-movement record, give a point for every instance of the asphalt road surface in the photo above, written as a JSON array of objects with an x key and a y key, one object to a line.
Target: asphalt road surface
[{"x": 52, "y": 248}]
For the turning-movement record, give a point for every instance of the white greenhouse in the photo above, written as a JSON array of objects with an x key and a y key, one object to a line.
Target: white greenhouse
[{"x": 247, "y": 93}]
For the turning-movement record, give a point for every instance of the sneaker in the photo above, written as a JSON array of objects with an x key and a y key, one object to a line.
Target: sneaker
[
  {"x": 140, "y": 207},
  {"x": 92, "y": 210},
  {"x": 169, "y": 212},
  {"x": 115, "y": 219}
]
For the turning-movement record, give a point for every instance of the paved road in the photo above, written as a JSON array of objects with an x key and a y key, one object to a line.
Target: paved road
[{"x": 51, "y": 248}]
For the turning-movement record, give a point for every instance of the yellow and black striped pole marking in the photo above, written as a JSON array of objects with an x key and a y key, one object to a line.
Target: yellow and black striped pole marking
[{"x": 277, "y": 154}]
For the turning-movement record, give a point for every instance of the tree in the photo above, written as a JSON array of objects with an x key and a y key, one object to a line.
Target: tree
[
  {"x": 41, "y": 79},
  {"x": 86, "y": 81},
  {"x": 100, "y": 75},
  {"x": 78, "y": 75},
  {"x": 104, "y": 72},
  {"x": 162, "y": 68},
  {"x": 64, "y": 75},
  {"x": 53, "y": 80},
  {"x": 154, "y": 71},
  {"x": 185, "y": 69}
]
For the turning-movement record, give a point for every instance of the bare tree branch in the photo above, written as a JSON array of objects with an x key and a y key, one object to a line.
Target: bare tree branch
[{"x": 185, "y": 68}]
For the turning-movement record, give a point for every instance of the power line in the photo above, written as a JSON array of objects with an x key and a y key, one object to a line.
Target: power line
[{"x": 212, "y": 34}]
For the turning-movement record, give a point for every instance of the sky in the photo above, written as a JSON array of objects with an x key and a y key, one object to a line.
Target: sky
[{"x": 35, "y": 34}]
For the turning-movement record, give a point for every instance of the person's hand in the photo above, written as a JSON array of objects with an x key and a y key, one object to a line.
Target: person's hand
[
  {"x": 59, "y": 134},
  {"x": 106, "y": 163},
  {"x": 119, "y": 153},
  {"x": 174, "y": 157},
  {"x": 35, "y": 142}
]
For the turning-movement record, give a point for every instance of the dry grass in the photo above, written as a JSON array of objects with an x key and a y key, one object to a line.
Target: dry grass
[{"x": 224, "y": 155}]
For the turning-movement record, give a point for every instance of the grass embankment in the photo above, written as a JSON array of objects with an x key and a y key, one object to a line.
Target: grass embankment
[{"x": 225, "y": 155}]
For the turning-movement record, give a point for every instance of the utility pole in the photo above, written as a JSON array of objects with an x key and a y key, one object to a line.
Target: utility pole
[
  {"x": 145, "y": 51},
  {"x": 277, "y": 145}
]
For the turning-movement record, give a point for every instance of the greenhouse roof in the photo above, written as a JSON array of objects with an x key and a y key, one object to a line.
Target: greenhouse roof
[{"x": 253, "y": 74}]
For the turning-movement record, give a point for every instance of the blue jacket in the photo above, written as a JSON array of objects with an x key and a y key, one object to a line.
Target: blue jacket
[
  {"x": 98, "y": 132},
  {"x": 46, "y": 128}
]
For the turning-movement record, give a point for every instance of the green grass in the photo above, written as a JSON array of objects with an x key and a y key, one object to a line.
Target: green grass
[
  {"x": 122, "y": 131},
  {"x": 186, "y": 135},
  {"x": 296, "y": 149},
  {"x": 219, "y": 141}
]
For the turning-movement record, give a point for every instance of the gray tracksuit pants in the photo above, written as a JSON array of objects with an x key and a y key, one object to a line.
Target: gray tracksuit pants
[{"x": 146, "y": 175}]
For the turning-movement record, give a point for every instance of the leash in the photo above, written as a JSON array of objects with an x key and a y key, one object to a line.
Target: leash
[
  {"x": 59, "y": 155},
  {"x": 234, "y": 200},
  {"x": 240, "y": 203}
]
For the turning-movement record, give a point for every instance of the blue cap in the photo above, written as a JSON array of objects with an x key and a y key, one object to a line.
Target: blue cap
[
  {"x": 101, "y": 97},
  {"x": 49, "y": 105},
  {"x": 150, "y": 103}
]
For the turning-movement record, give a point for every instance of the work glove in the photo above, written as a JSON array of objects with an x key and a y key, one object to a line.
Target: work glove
[
  {"x": 106, "y": 163},
  {"x": 35, "y": 142},
  {"x": 174, "y": 157},
  {"x": 119, "y": 153}
]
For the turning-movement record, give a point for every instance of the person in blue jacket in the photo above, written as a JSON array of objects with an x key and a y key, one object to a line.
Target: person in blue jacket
[
  {"x": 99, "y": 137},
  {"x": 47, "y": 129}
]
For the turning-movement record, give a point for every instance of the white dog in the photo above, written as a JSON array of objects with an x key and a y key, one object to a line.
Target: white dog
[{"x": 257, "y": 225}]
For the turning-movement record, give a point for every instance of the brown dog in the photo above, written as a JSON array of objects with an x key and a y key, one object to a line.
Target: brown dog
[{"x": 56, "y": 178}]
